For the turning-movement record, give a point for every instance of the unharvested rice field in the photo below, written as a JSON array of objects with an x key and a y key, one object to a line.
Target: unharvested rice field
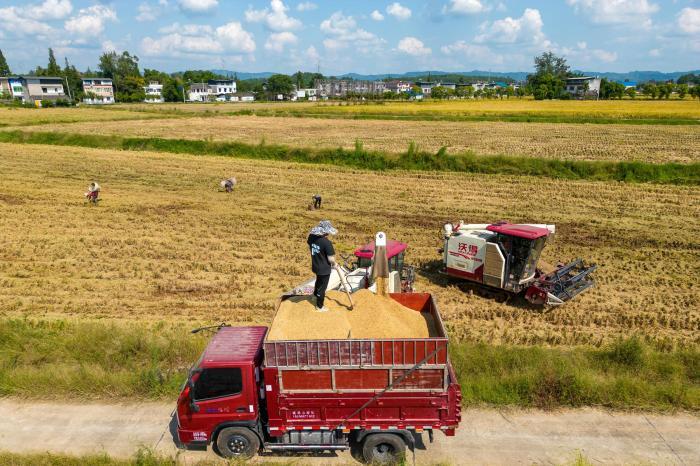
[
  {"x": 165, "y": 244},
  {"x": 648, "y": 143},
  {"x": 19, "y": 116}
]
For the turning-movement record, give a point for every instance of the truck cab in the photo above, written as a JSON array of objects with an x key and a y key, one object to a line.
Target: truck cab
[{"x": 222, "y": 393}]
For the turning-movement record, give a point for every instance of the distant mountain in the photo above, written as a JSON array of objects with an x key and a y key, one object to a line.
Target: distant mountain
[
  {"x": 638, "y": 76},
  {"x": 243, "y": 75}
]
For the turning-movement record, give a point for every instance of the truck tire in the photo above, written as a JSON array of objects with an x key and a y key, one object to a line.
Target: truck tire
[
  {"x": 383, "y": 449},
  {"x": 237, "y": 442}
]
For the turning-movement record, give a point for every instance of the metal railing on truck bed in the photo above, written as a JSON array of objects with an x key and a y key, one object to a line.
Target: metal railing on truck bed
[{"x": 364, "y": 364}]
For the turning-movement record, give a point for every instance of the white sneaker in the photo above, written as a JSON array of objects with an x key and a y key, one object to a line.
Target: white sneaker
[{"x": 322, "y": 309}]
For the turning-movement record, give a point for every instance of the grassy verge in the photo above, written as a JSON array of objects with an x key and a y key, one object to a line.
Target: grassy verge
[
  {"x": 53, "y": 359},
  {"x": 412, "y": 159},
  {"x": 47, "y": 359}
]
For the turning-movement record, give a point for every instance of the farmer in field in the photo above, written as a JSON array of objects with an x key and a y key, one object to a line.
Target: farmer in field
[
  {"x": 228, "y": 184},
  {"x": 93, "y": 192},
  {"x": 316, "y": 198},
  {"x": 322, "y": 259}
]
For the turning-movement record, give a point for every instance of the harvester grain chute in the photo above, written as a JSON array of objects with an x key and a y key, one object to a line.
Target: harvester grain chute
[{"x": 505, "y": 256}]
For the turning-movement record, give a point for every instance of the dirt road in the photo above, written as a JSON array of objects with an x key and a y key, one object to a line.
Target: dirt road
[{"x": 485, "y": 436}]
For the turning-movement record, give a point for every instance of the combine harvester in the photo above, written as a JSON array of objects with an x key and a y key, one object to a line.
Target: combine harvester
[
  {"x": 250, "y": 392},
  {"x": 505, "y": 256}
]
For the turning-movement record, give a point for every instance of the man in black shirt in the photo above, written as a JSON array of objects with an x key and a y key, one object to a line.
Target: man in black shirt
[{"x": 322, "y": 259}]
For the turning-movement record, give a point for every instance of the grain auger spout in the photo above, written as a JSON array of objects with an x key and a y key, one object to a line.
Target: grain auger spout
[{"x": 562, "y": 284}]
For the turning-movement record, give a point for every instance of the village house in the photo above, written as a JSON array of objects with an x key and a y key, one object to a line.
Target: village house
[
  {"x": 33, "y": 89},
  {"x": 398, "y": 87},
  {"x": 98, "y": 91},
  {"x": 221, "y": 90},
  {"x": 343, "y": 87},
  {"x": 583, "y": 86},
  {"x": 154, "y": 93},
  {"x": 243, "y": 97}
]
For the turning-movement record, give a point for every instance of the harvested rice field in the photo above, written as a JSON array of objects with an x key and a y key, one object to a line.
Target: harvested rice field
[
  {"x": 648, "y": 143},
  {"x": 165, "y": 244}
]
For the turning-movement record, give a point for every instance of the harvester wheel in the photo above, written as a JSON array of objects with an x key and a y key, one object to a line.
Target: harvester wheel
[
  {"x": 237, "y": 442},
  {"x": 383, "y": 449}
]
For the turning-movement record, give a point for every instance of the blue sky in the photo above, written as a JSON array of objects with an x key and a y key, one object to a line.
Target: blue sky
[{"x": 356, "y": 36}]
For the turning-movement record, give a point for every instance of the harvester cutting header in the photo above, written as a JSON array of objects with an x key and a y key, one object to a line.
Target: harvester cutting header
[{"x": 505, "y": 256}]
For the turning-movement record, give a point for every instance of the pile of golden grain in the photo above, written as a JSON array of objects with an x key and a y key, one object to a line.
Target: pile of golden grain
[{"x": 372, "y": 317}]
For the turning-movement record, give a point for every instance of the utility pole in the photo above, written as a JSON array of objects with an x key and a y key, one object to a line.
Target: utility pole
[{"x": 65, "y": 78}]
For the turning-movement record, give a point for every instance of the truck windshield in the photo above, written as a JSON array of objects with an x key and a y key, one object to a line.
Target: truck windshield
[{"x": 218, "y": 382}]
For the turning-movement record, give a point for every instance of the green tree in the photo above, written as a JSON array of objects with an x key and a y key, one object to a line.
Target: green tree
[
  {"x": 440, "y": 92},
  {"x": 73, "y": 79},
  {"x": 131, "y": 89},
  {"x": 279, "y": 84},
  {"x": 690, "y": 78},
  {"x": 650, "y": 90},
  {"x": 53, "y": 69},
  {"x": 172, "y": 90},
  {"x": 550, "y": 76},
  {"x": 631, "y": 92},
  {"x": 119, "y": 68},
  {"x": 682, "y": 90},
  {"x": 4, "y": 67}
]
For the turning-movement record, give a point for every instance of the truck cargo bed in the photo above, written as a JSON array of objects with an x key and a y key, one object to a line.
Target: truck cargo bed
[{"x": 324, "y": 384}]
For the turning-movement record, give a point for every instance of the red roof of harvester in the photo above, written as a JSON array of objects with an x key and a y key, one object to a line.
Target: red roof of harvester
[
  {"x": 237, "y": 345},
  {"x": 392, "y": 248},
  {"x": 519, "y": 231}
]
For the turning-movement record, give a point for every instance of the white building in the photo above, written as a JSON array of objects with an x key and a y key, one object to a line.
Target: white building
[
  {"x": 154, "y": 93},
  {"x": 221, "y": 90},
  {"x": 243, "y": 97},
  {"x": 583, "y": 86},
  {"x": 98, "y": 91}
]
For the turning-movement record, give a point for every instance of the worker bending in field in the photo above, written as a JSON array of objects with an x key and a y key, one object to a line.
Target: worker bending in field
[
  {"x": 93, "y": 192},
  {"x": 228, "y": 184},
  {"x": 316, "y": 198},
  {"x": 322, "y": 259}
]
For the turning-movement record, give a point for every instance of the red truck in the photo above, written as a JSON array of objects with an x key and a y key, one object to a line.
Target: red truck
[{"x": 247, "y": 394}]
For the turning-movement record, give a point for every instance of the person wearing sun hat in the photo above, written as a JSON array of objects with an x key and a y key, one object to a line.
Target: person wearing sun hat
[{"x": 322, "y": 259}]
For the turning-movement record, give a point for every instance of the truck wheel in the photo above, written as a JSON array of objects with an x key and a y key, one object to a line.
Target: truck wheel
[
  {"x": 383, "y": 449},
  {"x": 237, "y": 442}
]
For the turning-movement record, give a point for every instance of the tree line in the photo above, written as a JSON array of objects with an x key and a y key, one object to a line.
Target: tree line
[{"x": 547, "y": 82}]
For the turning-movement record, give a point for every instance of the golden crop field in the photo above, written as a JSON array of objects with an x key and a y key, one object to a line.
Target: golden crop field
[
  {"x": 639, "y": 108},
  {"x": 19, "y": 116},
  {"x": 648, "y": 143},
  {"x": 166, "y": 244}
]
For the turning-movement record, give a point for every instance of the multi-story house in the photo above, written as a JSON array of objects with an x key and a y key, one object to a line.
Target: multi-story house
[
  {"x": 154, "y": 93},
  {"x": 98, "y": 91}
]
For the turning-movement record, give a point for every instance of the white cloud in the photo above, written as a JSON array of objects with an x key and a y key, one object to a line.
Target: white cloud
[
  {"x": 15, "y": 22},
  {"x": 473, "y": 52},
  {"x": 604, "y": 55},
  {"x": 398, "y": 11},
  {"x": 524, "y": 30},
  {"x": 655, "y": 53},
  {"x": 199, "y": 39},
  {"x": 377, "y": 16},
  {"x": 689, "y": 20},
  {"x": 275, "y": 17},
  {"x": 147, "y": 12},
  {"x": 306, "y": 6},
  {"x": 49, "y": 9},
  {"x": 630, "y": 12},
  {"x": 312, "y": 54},
  {"x": 198, "y": 6},
  {"x": 90, "y": 21},
  {"x": 109, "y": 46},
  {"x": 342, "y": 31},
  {"x": 277, "y": 41},
  {"x": 465, "y": 7},
  {"x": 413, "y": 46}
]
